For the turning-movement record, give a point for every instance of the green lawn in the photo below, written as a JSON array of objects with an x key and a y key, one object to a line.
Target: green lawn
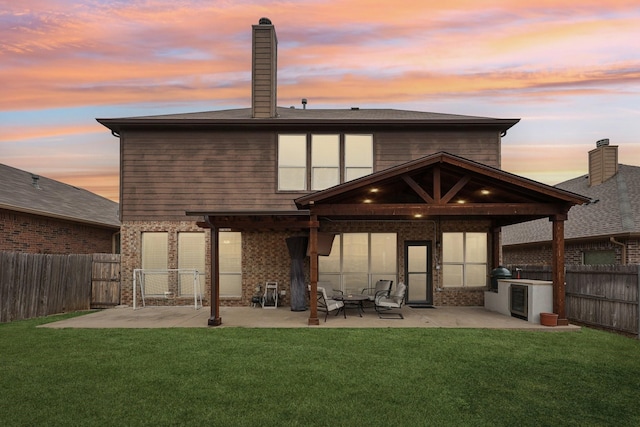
[{"x": 315, "y": 377}]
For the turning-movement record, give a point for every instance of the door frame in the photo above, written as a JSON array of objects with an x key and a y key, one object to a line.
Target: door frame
[{"x": 428, "y": 300}]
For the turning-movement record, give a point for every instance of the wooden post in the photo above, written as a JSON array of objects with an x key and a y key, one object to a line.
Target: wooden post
[
  {"x": 558, "y": 272},
  {"x": 313, "y": 273},
  {"x": 215, "y": 319}
]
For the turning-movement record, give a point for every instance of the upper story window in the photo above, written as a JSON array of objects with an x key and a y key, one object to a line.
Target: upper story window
[
  {"x": 319, "y": 161},
  {"x": 292, "y": 162}
]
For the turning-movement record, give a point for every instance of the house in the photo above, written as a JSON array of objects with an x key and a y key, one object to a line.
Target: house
[
  {"x": 606, "y": 230},
  {"x": 409, "y": 196},
  {"x": 41, "y": 215}
]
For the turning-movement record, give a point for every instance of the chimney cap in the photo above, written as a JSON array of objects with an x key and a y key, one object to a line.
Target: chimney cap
[
  {"x": 602, "y": 142},
  {"x": 264, "y": 21}
]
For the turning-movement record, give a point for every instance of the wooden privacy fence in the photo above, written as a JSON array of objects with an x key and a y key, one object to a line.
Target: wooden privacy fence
[
  {"x": 35, "y": 285},
  {"x": 105, "y": 281},
  {"x": 599, "y": 295}
]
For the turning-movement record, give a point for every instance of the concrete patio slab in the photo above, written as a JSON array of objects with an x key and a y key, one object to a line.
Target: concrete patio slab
[{"x": 283, "y": 317}]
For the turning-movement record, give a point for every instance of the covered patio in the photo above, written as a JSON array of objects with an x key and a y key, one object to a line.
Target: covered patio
[{"x": 434, "y": 188}]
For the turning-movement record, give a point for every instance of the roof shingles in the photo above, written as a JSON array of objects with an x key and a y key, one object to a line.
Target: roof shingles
[
  {"x": 54, "y": 199},
  {"x": 614, "y": 210}
]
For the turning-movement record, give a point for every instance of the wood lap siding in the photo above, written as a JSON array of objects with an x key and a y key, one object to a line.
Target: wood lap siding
[
  {"x": 165, "y": 174},
  {"x": 394, "y": 148}
]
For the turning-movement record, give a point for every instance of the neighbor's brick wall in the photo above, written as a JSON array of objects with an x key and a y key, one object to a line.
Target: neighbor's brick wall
[
  {"x": 542, "y": 254},
  {"x": 21, "y": 232}
]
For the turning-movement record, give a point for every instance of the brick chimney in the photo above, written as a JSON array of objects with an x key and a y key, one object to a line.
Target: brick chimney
[
  {"x": 264, "y": 65},
  {"x": 603, "y": 162}
]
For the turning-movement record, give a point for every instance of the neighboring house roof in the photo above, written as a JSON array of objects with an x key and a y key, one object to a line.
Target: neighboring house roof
[
  {"x": 23, "y": 191},
  {"x": 614, "y": 210},
  {"x": 352, "y": 116}
]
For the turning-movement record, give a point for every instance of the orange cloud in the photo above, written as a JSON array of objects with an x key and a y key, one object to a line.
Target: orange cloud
[{"x": 106, "y": 183}]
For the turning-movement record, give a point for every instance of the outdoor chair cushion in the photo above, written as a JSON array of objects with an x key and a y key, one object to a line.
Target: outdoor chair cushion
[
  {"x": 327, "y": 304},
  {"x": 395, "y": 300},
  {"x": 382, "y": 287}
]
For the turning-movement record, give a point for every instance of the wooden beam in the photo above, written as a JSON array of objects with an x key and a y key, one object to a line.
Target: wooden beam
[
  {"x": 455, "y": 189},
  {"x": 418, "y": 189},
  {"x": 248, "y": 224},
  {"x": 558, "y": 273},
  {"x": 453, "y": 209},
  {"x": 436, "y": 184},
  {"x": 313, "y": 273},
  {"x": 215, "y": 319}
]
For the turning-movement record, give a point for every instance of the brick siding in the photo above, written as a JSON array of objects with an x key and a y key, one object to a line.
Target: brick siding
[
  {"x": 265, "y": 256},
  {"x": 541, "y": 254},
  {"x": 29, "y": 233}
]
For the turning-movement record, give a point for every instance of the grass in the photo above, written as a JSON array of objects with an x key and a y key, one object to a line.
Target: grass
[{"x": 315, "y": 377}]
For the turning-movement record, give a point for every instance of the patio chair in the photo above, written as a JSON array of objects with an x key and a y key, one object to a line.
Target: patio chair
[
  {"x": 395, "y": 300},
  {"x": 382, "y": 287},
  {"x": 327, "y": 304}
]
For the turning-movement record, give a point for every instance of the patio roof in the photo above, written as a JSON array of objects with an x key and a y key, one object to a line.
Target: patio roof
[{"x": 439, "y": 185}]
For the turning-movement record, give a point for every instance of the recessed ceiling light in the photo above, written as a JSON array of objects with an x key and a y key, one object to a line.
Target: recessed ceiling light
[
  {"x": 485, "y": 192},
  {"x": 373, "y": 190},
  {"x": 461, "y": 201},
  {"x": 417, "y": 216},
  {"x": 367, "y": 200}
]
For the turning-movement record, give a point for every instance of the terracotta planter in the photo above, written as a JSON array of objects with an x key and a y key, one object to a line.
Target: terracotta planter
[{"x": 548, "y": 319}]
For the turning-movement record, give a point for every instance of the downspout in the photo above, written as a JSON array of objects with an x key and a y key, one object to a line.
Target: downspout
[{"x": 623, "y": 247}]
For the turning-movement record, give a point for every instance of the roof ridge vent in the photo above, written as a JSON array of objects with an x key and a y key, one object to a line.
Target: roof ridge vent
[{"x": 35, "y": 181}]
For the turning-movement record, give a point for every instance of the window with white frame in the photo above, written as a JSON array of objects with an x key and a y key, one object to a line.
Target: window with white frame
[
  {"x": 464, "y": 259},
  {"x": 319, "y": 161},
  {"x": 191, "y": 255},
  {"x": 230, "y": 263},
  {"x": 358, "y": 260}
]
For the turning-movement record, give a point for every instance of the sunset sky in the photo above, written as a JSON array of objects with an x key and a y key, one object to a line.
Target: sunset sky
[{"x": 570, "y": 70}]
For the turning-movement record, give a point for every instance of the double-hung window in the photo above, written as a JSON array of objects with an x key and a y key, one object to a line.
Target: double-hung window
[
  {"x": 464, "y": 259},
  {"x": 230, "y": 263},
  {"x": 191, "y": 256},
  {"x": 319, "y": 161},
  {"x": 292, "y": 162},
  {"x": 325, "y": 161}
]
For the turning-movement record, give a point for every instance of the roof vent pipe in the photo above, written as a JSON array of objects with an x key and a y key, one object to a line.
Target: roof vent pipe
[
  {"x": 35, "y": 181},
  {"x": 304, "y": 103}
]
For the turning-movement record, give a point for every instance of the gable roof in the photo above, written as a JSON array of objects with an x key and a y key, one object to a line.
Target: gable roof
[
  {"x": 294, "y": 116},
  {"x": 54, "y": 199},
  {"x": 613, "y": 210},
  {"x": 442, "y": 184}
]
